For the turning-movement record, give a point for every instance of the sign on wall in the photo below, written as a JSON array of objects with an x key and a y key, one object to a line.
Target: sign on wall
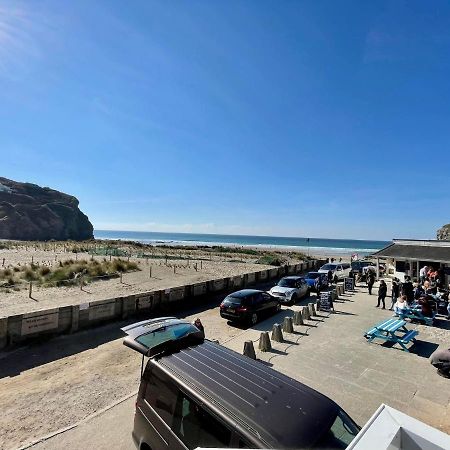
[{"x": 40, "y": 321}]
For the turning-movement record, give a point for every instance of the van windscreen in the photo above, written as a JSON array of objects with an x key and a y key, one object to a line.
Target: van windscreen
[{"x": 165, "y": 334}]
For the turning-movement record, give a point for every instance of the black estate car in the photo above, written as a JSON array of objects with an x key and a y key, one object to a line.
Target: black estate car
[
  {"x": 197, "y": 393},
  {"x": 248, "y": 305}
]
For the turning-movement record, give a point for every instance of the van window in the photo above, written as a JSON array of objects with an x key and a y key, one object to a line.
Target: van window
[
  {"x": 161, "y": 395},
  {"x": 197, "y": 428}
]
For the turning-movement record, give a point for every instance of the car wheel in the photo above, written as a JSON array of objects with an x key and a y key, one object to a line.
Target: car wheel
[
  {"x": 294, "y": 299},
  {"x": 254, "y": 318},
  {"x": 308, "y": 293}
]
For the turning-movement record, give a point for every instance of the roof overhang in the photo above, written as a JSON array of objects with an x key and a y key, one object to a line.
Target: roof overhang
[{"x": 410, "y": 250}]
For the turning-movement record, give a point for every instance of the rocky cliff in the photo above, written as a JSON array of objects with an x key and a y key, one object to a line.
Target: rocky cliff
[
  {"x": 443, "y": 234},
  {"x": 31, "y": 212}
]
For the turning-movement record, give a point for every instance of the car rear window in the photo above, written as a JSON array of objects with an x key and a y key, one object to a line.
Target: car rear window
[
  {"x": 235, "y": 301},
  {"x": 165, "y": 334},
  {"x": 328, "y": 267},
  {"x": 313, "y": 275}
]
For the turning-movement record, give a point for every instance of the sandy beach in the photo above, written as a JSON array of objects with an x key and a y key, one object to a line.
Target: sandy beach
[{"x": 168, "y": 266}]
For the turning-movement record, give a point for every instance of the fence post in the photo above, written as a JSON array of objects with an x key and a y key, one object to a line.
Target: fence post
[
  {"x": 150, "y": 271},
  {"x": 30, "y": 289},
  {"x": 121, "y": 273}
]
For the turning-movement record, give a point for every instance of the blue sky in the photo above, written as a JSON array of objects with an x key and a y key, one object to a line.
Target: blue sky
[{"x": 297, "y": 118}]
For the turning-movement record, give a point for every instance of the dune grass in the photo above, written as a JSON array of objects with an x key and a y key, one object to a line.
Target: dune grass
[{"x": 66, "y": 273}]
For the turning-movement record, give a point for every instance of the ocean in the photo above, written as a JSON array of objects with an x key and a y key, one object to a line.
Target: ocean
[{"x": 313, "y": 246}]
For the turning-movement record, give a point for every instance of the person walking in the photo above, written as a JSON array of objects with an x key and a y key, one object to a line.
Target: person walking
[
  {"x": 370, "y": 281},
  {"x": 382, "y": 291},
  {"x": 395, "y": 292}
]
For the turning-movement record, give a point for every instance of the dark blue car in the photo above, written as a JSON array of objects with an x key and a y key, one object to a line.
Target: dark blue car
[{"x": 312, "y": 277}]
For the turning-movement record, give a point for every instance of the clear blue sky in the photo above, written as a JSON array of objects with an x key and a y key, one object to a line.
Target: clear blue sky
[{"x": 298, "y": 118}]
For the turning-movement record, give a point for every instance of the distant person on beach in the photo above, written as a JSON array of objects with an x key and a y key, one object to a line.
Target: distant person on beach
[
  {"x": 382, "y": 291},
  {"x": 370, "y": 281},
  {"x": 199, "y": 325}
]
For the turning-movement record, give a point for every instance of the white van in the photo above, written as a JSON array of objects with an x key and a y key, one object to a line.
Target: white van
[{"x": 338, "y": 270}]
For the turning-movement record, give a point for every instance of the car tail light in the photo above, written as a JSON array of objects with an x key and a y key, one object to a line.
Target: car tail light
[{"x": 222, "y": 306}]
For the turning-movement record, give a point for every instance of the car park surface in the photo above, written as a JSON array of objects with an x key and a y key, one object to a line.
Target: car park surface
[
  {"x": 356, "y": 375},
  {"x": 248, "y": 305},
  {"x": 290, "y": 289},
  {"x": 197, "y": 393}
]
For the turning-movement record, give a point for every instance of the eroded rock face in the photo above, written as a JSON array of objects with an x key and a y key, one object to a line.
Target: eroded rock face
[
  {"x": 31, "y": 212},
  {"x": 443, "y": 234}
]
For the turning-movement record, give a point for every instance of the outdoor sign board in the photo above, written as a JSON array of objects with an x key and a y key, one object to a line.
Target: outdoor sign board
[
  {"x": 349, "y": 284},
  {"x": 39, "y": 321},
  {"x": 326, "y": 301}
]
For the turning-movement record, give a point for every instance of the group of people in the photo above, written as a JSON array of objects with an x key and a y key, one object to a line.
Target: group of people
[{"x": 421, "y": 295}]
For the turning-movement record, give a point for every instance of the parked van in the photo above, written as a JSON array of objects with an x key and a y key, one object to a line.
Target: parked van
[
  {"x": 197, "y": 393},
  {"x": 338, "y": 270}
]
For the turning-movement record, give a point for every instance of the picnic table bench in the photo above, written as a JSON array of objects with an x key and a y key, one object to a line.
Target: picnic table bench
[
  {"x": 415, "y": 313},
  {"x": 387, "y": 330}
]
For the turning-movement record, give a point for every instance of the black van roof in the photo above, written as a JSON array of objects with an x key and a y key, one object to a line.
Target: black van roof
[{"x": 280, "y": 411}]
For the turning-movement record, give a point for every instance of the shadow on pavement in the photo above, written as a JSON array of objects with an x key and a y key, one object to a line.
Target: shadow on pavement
[{"x": 423, "y": 348}]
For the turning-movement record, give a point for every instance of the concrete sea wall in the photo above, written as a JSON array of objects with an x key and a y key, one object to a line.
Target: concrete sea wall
[{"x": 23, "y": 328}]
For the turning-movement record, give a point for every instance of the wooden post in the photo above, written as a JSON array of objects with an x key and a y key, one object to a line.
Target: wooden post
[
  {"x": 81, "y": 283},
  {"x": 32, "y": 259},
  {"x": 201, "y": 265},
  {"x": 3, "y": 264},
  {"x": 121, "y": 276},
  {"x": 30, "y": 289},
  {"x": 174, "y": 268},
  {"x": 110, "y": 257},
  {"x": 150, "y": 271}
]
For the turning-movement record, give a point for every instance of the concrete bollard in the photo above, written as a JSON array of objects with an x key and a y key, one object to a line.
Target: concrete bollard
[
  {"x": 305, "y": 313},
  {"x": 287, "y": 325},
  {"x": 264, "y": 342},
  {"x": 249, "y": 350},
  {"x": 277, "y": 334},
  {"x": 298, "y": 319},
  {"x": 312, "y": 309}
]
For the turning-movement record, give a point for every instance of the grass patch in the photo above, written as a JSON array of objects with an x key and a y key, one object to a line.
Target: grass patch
[
  {"x": 67, "y": 273},
  {"x": 271, "y": 260}
]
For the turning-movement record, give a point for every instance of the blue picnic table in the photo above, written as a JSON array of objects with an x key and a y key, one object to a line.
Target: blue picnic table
[{"x": 392, "y": 330}]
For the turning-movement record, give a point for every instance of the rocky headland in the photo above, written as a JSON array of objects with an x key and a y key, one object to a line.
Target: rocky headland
[{"x": 31, "y": 212}]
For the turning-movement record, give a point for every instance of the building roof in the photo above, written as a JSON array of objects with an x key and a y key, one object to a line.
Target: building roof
[{"x": 415, "y": 250}]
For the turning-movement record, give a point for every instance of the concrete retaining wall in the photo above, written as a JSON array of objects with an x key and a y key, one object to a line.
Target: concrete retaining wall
[{"x": 69, "y": 319}]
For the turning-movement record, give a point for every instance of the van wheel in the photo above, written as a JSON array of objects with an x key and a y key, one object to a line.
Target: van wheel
[{"x": 254, "y": 318}]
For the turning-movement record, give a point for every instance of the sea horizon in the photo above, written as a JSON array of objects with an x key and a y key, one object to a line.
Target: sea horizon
[{"x": 327, "y": 246}]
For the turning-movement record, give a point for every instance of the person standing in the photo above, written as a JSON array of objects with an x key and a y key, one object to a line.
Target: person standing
[
  {"x": 199, "y": 325},
  {"x": 423, "y": 274},
  {"x": 382, "y": 291},
  {"x": 408, "y": 290},
  {"x": 395, "y": 292},
  {"x": 370, "y": 280}
]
